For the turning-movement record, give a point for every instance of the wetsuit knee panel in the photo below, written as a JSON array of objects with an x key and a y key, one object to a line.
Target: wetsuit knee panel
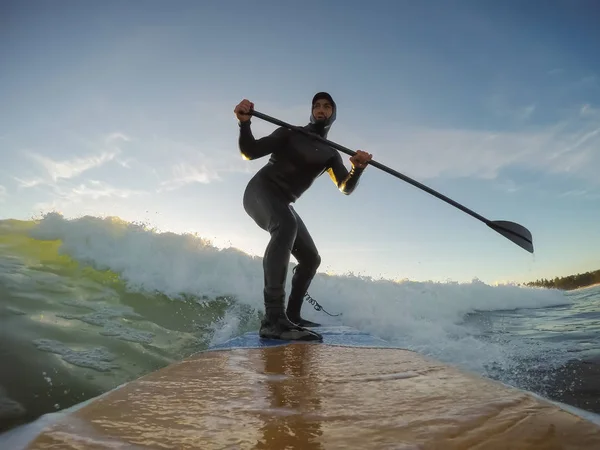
[
  {"x": 313, "y": 264},
  {"x": 317, "y": 261},
  {"x": 308, "y": 265}
]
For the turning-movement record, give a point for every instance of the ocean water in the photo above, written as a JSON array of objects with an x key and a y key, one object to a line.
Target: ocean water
[{"x": 90, "y": 303}]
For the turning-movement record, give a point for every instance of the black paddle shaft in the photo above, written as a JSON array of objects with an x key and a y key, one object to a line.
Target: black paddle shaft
[{"x": 513, "y": 231}]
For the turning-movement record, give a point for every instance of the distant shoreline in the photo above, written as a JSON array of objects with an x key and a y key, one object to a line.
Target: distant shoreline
[
  {"x": 569, "y": 283},
  {"x": 583, "y": 287}
]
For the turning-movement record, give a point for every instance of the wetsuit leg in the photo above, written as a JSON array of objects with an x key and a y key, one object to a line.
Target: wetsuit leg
[
  {"x": 307, "y": 255},
  {"x": 272, "y": 213}
]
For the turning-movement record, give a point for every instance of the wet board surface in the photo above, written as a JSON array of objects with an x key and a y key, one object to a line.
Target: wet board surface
[
  {"x": 345, "y": 336},
  {"x": 348, "y": 392}
]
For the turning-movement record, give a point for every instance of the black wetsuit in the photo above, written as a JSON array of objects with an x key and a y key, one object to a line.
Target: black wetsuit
[{"x": 296, "y": 161}]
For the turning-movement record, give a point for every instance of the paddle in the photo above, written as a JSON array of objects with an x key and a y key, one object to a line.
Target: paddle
[{"x": 510, "y": 230}]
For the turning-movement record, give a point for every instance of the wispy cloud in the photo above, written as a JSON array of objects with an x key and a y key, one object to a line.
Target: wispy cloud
[
  {"x": 581, "y": 193},
  {"x": 29, "y": 183},
  {"x": 60, "y": 180},
  {"x": 500, "y": 106},
  {"x": 525, "y": 112},
  {"x": 574, "y": 193},
  {"x": 508, "y": 186},
  {"x": 71, "y": 168},
  {"x": 577, "y": 142},
  {"x": 177, "y": 163},
  {"x": 569, "y": 147},
  {"x": 587, "y": 110},
  {"x": 95, "y": 189},
  {"x": 117, "y": 136},
  {"x": 3, "y": 193},
  {"x": 55, "y": 170},
  {"x": 63, "y": 196},
  {"x": 185, "y": 174},
  {"x": 112, "y": 141}
]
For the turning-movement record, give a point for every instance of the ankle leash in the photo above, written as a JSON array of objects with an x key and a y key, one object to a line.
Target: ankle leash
[{"x": 313, "y": 302}]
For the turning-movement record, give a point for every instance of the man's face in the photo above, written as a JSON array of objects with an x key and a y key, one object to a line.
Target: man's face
[{"x": 322, "y": 109}]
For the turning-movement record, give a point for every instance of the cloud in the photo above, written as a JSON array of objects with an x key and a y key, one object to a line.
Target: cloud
[
  {"x": 580, "y": 193},
  {"x": 587, "y": 110},
  {"x": 95, "y": 189},
  {"x": 579, "y": 142},
  {"x": 566, "y": 147},
  {"x": 85, "y": 192},
  {"x": 501, "y": 107},
  {"x": 117, "y": 136},
  {"x": 32, "y": 182},
  {"x": 570, "y": 147},
  {"x": 177, "y": 163},
  {"x": 574, "y": 193},
  {"x": 112, "y": 140},
  {"x": 509, "y": 186},
  {"x": 185, "y": 174},
  {"x": 3, "y": 193},
  {"x": 60, "y": 179},
  {"x": 71, "y": 168},
  {"x": 56, "y": 170},
  {"x": 525, "y": 112}
]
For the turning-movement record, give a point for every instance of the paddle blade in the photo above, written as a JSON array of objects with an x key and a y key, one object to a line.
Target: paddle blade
[{"x": 515, "y": 232}]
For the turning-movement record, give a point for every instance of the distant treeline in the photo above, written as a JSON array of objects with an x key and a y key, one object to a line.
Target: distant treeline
[{"x": 570, "y": 282}]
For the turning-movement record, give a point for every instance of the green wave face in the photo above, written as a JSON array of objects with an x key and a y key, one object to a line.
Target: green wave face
[{"x": 71, "y": 331}]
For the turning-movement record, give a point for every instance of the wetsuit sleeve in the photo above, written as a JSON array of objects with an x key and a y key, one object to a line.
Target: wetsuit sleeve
[
  {"x": 345, "y": 180},
  {"x": 252, "y": 148}
]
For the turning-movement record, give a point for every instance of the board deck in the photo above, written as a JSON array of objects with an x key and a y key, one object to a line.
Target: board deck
[
  {"x": 351, "y": 391},
  {"x": 337, "y": 335}
]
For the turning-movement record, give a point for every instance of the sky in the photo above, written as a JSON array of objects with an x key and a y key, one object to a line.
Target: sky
[{"x": 126, "y": 109}]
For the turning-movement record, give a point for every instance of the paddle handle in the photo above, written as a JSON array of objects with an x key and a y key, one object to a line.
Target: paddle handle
[{"x": 380, "y": 166}]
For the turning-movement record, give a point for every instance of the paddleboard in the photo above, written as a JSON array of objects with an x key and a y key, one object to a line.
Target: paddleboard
[{"x": 352, "y": 390}]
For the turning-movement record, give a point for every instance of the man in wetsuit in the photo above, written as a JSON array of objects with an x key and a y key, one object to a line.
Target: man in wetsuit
[{"x": 296, "y": 161}]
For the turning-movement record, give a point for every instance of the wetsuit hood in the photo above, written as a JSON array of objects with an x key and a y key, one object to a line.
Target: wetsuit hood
[{"x": 322, "y": 127}]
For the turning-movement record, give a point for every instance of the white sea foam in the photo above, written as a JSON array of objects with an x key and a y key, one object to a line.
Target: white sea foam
[
  {"x": 96, "y": 358},
  {"x": 423, "y": 316}
]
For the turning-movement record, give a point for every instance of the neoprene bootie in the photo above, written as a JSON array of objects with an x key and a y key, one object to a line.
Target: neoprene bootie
[
  {"x": 293, "y": 312},
  {"x": 276, "y": 325},
  {"x": 300, "y": 282}
]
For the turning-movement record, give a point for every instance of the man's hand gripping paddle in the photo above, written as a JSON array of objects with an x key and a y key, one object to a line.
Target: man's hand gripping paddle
[{"x": 510, "y": 230}]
